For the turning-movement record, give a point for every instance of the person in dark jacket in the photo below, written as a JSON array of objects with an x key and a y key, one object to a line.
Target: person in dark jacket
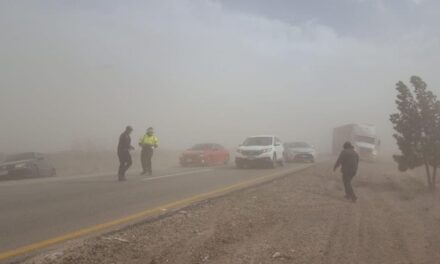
[
  {"x": 348, "y": 161},
  {"x": 124, "y": 156}
]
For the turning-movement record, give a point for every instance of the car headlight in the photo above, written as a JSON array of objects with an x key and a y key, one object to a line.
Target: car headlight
[
  {"x": 21, "y": 165},
  {"x": 266, "y": 150}
]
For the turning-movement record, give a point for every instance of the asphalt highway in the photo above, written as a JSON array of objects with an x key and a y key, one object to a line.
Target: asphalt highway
[{"x": 33, "y": 210}]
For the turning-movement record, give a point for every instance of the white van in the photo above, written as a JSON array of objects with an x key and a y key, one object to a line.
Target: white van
[{"x": 267, "y": 150}]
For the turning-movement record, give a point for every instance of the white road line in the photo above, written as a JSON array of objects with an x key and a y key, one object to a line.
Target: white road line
[
  {"x": 52, "y": 179},
  {"x": 177, "y": 174},
  {"x": 58, "y": 179}
]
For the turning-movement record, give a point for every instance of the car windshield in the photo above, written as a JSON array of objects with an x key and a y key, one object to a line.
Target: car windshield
[
  {"x": 21, "y": 156},
  {"x": 258, "y": 141},
  {"x": 364, "y": 139},
  {"x": 200, "y": 147},
  {"x": 297, "y": 145}
]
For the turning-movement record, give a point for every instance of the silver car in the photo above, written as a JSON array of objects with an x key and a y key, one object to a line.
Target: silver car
[{"x": 299, "y": 152}]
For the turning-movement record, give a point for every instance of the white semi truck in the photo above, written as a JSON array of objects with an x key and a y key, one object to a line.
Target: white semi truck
[{"x": 363, "y": 137}]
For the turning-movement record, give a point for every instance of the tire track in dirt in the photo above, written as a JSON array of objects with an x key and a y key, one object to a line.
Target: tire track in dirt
[
  {"x": 373, "y": 231},
  {"x": 340, "y": 241}
]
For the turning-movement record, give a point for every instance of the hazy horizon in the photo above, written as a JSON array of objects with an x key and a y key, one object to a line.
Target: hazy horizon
[{"x": 201, "y": 71}]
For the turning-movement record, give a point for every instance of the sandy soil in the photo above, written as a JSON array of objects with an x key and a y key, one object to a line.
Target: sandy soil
[{"x": 298, "y": 219}]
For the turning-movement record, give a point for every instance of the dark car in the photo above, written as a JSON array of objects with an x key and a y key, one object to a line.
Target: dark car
[
  {"x": 27, "y": 164},
  {"x": 205, "y": 154}
]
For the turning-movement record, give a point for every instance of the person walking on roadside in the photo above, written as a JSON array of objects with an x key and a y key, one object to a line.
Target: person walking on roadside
[
  {"x": 124, "y": 156},
  {"x": 348, "y": 161},
  {"x": 148, "y": 143}
]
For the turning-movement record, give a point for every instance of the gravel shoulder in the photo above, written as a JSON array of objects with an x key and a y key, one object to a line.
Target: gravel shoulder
[{"x": 302, "y": 218}]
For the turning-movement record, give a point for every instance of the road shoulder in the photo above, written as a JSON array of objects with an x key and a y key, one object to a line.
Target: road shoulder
[{"x": 298, "y": 219}]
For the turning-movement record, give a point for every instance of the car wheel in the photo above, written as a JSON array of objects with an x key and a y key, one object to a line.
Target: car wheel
[
  {"x": 273, "y": 162},
  {"x": 281, "y": 162},
  {"x": 35, "y": 171},
  {"x": 239, "y": 164},
  {"x": 206, "y": 163}
]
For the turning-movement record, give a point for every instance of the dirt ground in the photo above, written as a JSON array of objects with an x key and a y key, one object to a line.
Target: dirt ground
[{"x": 302, "y": 218}]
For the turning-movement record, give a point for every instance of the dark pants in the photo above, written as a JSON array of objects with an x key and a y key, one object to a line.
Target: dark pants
[
  {"x": 146, "y": 155},
  {"x": 124, "y": 163},
  {"x": 346, "y": 178}
]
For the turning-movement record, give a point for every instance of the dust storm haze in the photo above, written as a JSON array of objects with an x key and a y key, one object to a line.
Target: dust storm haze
[{"x": 75, "y": 71}]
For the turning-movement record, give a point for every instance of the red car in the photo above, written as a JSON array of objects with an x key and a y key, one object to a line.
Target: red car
[{"x": 205, "y": 154}]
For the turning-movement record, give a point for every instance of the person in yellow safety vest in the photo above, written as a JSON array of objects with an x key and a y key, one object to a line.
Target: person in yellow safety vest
[{"x": 148, "y": 143}]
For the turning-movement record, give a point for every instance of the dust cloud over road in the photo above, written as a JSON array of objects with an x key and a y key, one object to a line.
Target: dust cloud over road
[
  {"x": 74, "y": 74},
  {"x": 302, "y": 218},
  {"x": 78, "y": 73}
]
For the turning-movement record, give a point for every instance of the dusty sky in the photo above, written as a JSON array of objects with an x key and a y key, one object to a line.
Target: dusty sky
[{"x": 78, "y": 71}]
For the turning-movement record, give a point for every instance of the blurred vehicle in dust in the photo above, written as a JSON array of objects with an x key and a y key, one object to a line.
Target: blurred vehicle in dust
[
  {"x": 299, "y": 152},
  {"x": 205, "y": 154},
  {"x": 29, "y": 164},
  {"x": 363, "y": 137},
  {"x": 266, "y": 150}
]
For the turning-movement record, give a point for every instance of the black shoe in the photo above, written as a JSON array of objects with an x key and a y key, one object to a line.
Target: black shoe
[{"x": 122, "y": 179}]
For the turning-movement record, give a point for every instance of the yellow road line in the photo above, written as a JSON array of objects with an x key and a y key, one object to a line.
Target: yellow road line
[
  {"x": 136, "y": 216},
  {"x": 176, "y": 174}
]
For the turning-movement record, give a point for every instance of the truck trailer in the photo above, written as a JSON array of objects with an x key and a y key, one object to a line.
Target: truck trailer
[{"x": 362, "y": 136}]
